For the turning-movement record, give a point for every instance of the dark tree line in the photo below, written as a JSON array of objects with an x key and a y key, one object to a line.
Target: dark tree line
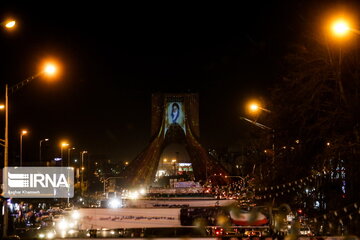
[{"x": 317, "y": 104}]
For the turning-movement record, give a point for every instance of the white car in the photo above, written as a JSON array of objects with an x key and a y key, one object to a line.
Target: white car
[{"x": 306, "y": 231}]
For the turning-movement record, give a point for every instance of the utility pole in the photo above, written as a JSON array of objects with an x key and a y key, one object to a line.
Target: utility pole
[{"x": 82, "y": 173}]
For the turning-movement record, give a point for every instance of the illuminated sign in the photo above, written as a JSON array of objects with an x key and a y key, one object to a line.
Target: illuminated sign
[{"x": 184, "y": 164}]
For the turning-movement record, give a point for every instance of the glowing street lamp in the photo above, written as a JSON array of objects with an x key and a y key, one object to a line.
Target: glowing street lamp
[
  {"x": 69, "y": 150},
  {"x": 8, "y": 24},
  {"x": 254, "y": 107},
  {"x": 22, "y": 133},
  {"x": 50, "y": 69},
  {"x": 82, "y": 172},
  {"x": 42, "y": 140},
  {"x": 68, "y": 166},
  {"x": 12, "y": 90},
  {"x": 2, "y": 141},
  {"x": 62, "y": 146},
  {"x": 341, "y": 27}
]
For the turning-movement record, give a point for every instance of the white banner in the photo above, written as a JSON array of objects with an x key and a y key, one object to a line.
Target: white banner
[
  {"x": 179, "y": 189},
  {"x": 107, "y": 218},
  {"x": 145, "y": 203}
]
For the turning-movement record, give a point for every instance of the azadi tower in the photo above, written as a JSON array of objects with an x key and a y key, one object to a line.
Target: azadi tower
[{"x": 175, "y": 119}]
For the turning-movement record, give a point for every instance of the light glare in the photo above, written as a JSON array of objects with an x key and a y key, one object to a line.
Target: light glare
[
  {"x": 114, "y": 203},
  {"x": 142, "y": 191},
  {"x": 340, "y": 27},
  {"x": 254, "y": 107},
  {"x": 50, "y": 69},
  {"x": 75, "y": 215},
  {"x": 62, "y": 224},
  {"x": 10, "y": 24},
  {"x": 50, "y": 235}
]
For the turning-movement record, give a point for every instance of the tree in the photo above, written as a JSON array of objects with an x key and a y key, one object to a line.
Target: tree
[{"x": 317, "y": 102}]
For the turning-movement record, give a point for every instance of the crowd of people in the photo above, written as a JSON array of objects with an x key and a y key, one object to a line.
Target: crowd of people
[
  {"x": 25, "y": 215},
  {"x": 233, "y": 190}
]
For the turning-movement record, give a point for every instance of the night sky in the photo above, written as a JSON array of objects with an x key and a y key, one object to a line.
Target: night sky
[{"x": 114, "y": 56}]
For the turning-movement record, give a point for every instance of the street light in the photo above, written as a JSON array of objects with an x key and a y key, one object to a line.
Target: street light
[
  {"x": 69, "y": 150},
  {"x": 62, "y": 146},
  {"x": 8, "y": 24},
  {"x": 341, "y": 27},
  {"x": 42, "y": 140},
  {"x": 22, "y": 133},
  {"x": 68, "y": 167},
  {"x": 105, "y": 180},
  {"x": 82, "y": 172},
  {"x": 12, "y": 90},
  {"x": 255, "y": 107}
]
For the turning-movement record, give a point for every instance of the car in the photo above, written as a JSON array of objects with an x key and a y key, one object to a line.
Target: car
[{"x": 306, "y": 231}]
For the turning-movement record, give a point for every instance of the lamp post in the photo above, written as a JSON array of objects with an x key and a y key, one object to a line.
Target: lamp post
[
  {"x": 22, "y": 133},
  {"x": 340, "y": 28},
  {"x": 62, "y": 146},
  {"x": 68, "y": 167},
  {"x": 48, "y": 70},
  {"x": 69, "y": 150},
  {"x": 82, "y": 172},
  {"x": 2, "y": 107},
  {"x": 43, "y": 140},
  {"x": 105, "y": 180},
  {"x": 254, "y": 108}
]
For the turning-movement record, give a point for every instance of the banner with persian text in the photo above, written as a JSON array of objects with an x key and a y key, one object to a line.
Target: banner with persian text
[{"x": 99, "y": 218}]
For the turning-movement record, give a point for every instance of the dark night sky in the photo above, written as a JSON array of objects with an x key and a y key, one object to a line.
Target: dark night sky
[{"x": 115, "y": 56}]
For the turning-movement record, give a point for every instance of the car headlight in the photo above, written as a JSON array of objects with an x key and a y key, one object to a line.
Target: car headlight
[
  {"x": 75, "y": 215},
  {"x": 50, "y": 235},
  {"x": 62, "y": 224},
  {"x": 72, "y": 224},
  {"x": 114, "y": 203},
  {"x": 41, "y": 235}
]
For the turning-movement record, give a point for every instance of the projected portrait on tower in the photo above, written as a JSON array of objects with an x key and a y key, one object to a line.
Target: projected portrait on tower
[{"x": 175, "y": 114}]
